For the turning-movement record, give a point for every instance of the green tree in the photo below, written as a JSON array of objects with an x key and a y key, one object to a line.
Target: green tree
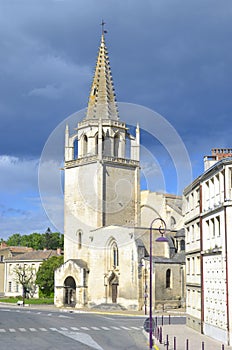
[
  {"x": 45, "y": 275},
  {"x": 14, "y": 240},
  {"x": 24, "y": 275},
  {"x": 38, "y": 241}
]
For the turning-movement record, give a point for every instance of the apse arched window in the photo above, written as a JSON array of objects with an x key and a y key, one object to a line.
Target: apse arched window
[
  {"x": 79, "y": 239},
  {"x": 168, "y": 278},
  {"x": 75, "y": 149},
  {"x": 115, "y": 254},
  {"x": 116, "y": 145},
  {"x": 85, "y": 145},
  {"x": 182, "y": 244},
  {"x": 173, "y": 222}
]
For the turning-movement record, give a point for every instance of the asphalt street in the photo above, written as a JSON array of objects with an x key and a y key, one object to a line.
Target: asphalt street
[
  {"x": 25, "y": 328},
  {"x": 21, "y": 328}
]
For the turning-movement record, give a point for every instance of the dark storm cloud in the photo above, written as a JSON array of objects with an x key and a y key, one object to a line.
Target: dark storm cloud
[{"x": 172, "y": 56}]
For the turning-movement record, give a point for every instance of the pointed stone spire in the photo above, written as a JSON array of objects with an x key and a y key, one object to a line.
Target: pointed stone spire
[{"x": 102, "y": 103}]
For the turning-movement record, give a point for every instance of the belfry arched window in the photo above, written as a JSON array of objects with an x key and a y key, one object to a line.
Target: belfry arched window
[
  {"x": 85, "y": 145},
  {"x": 116, "y": 145},
  {"x": 75, "y": 149},
  {"x": 96, "y": 144}
]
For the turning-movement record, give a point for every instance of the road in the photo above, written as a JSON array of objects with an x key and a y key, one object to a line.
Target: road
[{"x": 24, "y": 328}]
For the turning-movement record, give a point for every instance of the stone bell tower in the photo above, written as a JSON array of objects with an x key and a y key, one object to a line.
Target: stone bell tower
[{"x": 102, "y": 185}]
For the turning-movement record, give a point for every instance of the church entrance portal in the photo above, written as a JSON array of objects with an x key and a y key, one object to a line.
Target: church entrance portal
[
  {"x": 69, "y": 291},
  {"x": 113, "y": 284}
]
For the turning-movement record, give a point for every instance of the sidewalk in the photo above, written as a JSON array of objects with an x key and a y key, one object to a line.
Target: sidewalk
[{"x": 195, "y": 339}]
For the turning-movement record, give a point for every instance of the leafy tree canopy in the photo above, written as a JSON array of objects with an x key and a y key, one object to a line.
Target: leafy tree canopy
[
  {"x": 38, "y": 241},
  {"x": 45, "y": 275}
]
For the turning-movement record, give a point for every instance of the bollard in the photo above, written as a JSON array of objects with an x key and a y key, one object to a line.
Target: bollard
[
  {"x": 157, "y": 333},
  {"x": 160, "y": 335},
  {"x": 202, "y": 346},
  {"x": 167, "y": 343},
  {"x": 174, "y": 343},
  {"x": 169, "y": 319},
  {"x": 162, "y": 320},
  {"x": 187, "y": 344},
  {"x": 156, "y": 321}
]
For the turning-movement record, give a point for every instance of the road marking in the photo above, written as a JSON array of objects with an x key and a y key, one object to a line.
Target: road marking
[
  {"x": 108, "y": 318},
  {"x": 137, "y": 328},
  {"x": 82, "y": 338},
  {"x": 22, "y": 329},
  {"x": 12, "y": 330},
  {"x": 126, "y": 328},
  {"x": 49, "y": 314}
]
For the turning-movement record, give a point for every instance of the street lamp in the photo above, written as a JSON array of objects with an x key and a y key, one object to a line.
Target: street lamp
[{"x": 162, "y": 230}]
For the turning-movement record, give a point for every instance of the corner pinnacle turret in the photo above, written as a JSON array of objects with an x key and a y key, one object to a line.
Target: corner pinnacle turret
[{"x": 102, "y": 103}]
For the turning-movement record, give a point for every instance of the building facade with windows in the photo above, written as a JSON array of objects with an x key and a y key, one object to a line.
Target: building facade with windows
[
  {"x": 208, "y": 218},
  {"x": 26, "y": 265},
  {"x": 105, "y": 243},
  {"x": 5, "y": 253}
]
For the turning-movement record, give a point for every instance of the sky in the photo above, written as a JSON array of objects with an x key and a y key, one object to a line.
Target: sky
[{"x": 171, "y": 57}]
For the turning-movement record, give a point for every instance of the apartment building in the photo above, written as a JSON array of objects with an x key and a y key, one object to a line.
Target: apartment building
[{"x": 207, "y": 207}]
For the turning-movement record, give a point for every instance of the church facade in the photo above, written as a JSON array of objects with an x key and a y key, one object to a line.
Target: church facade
[{"x": 104, "y": 243}]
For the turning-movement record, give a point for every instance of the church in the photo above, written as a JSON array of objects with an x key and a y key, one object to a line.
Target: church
[{"x": 106, "y": 258}]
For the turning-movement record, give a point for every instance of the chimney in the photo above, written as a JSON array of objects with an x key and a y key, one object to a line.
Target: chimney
[{"x": 217, "y": 154}]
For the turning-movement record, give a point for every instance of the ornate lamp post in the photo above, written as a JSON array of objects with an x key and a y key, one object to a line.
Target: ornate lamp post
[{"x": 162, "y": 230}]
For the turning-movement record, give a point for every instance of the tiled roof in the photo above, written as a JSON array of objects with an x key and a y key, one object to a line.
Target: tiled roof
[{"x": 35, "y": 255}]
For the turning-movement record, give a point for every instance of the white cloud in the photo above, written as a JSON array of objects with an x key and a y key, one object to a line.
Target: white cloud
[
  {"x": 21, "y": 210},
  {"x": 17, "y": 175},
  {"x": 48, "y": 91}
]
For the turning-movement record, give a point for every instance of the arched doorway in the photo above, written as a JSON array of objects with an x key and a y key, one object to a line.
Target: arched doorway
[
  {"x": 69, "y": 291},
  {"x": 113, "y": 287}
]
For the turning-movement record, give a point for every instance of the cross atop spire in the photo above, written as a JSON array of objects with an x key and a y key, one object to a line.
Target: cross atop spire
[
  {"x": 102, "y": 103},
  {"x": 103, "y": 29}
]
